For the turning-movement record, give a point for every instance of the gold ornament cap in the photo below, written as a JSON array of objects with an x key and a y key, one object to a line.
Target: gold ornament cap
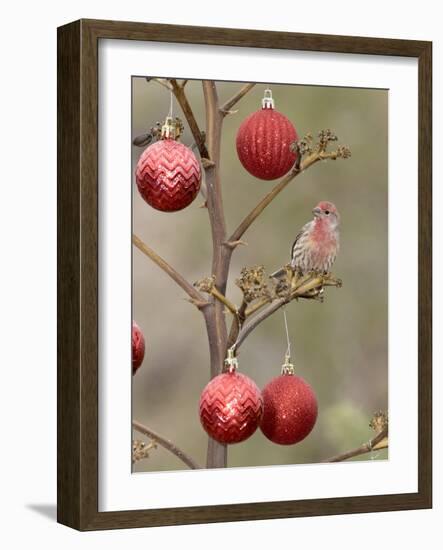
[
  {"x": 231, "y": 363},
  {"x": 172, "y": 128},
  {"x": 287, "y": 367}
]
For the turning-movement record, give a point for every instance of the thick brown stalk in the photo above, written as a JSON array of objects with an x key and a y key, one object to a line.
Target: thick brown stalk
[
  {"x": 171, "y": 447},
  {"x": 215, "y": 315},
  {"x": 210, "y": 155}
]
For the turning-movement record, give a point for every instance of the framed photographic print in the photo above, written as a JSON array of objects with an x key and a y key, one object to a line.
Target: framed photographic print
[{"x": 244, "y": 275}]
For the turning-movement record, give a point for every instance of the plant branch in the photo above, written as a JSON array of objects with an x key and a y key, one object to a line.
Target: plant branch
[
  {"x": 249, "y": 326},
  {"x": 207, "y": 285},
  {"x": 197, "y": 298},
  {"x": 226, "y": 108},
  {"x": 163, "y": 82},
  {"x": 180, "y": 95},
  {"x": 167, "y": 444},
  {"x": 215, "y": 315},
  {"x": 299, "y": 167},
  {"x": 310, "y": 287},
  {"x": 380, "y": 441},
  {"x": 237, "y": 323},
  {"x": 141, "y": 450}
]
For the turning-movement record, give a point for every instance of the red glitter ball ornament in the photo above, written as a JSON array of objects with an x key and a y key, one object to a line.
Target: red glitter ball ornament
[
  {"x": 168, "y": 173},
  {"x": 230, "y": 407},
  {"x": 289, "y": 409},
  {"x": 138, "y": 347},
  {"x": 264, "y": 140}
]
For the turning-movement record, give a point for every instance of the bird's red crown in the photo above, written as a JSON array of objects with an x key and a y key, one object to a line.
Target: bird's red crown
[{"x": 326, "y": 206}]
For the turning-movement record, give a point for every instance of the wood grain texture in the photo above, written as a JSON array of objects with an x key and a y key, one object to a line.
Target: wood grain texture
[
  {"x": 68, "y": 276},
  {"x": 78, "y": 268},
  {"x": 254, "y": 38},
  {"x": 425, "y": 274}
]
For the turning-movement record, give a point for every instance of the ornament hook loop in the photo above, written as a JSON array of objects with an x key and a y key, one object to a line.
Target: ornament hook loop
[
  {"x": 287, "y": 367},
  {"x": 267, "y": 101},
  {"x": 231, "y": 362}
]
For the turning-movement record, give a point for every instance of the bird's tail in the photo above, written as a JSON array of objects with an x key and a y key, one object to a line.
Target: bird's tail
[{"x": 279, "y": 274}]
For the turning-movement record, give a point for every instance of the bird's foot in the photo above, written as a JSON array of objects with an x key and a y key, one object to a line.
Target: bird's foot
[
  {"x": 309, "y": 283},
  {"x": 299, "y": 279},
  {"x": 314, "y": 294}
]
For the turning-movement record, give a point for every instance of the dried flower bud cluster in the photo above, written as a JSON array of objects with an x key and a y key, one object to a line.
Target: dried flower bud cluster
[
  {"x": 343, "y": 152},
  {"x": 306, "y": 146},
  {"x": 324, "y": 138},
  {"x": 303, "y": 146},
  {"x": 254, "y": 283},
  {"x": 206, "y": 284},
  {"x": 140, "y": 449},
  {"x": 379, "y": 421}
]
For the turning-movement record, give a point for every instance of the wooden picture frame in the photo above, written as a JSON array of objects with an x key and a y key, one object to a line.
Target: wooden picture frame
[{"x": 78, "y": 274}]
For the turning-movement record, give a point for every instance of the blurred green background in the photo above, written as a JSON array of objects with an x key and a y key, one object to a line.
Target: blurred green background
[{"x": 340, "y": 346}]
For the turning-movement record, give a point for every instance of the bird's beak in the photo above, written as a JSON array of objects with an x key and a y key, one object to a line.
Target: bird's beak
[{"x": 316, "y": 211}]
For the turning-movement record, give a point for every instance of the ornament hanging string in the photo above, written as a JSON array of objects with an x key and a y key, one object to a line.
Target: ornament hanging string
[
  {"x": 171, "y": 103},
  {"x": 288, "y": 341},
  {"x": 287, "y": 367}
]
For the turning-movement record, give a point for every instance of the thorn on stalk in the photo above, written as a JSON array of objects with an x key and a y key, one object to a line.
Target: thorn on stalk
[
  {"x": 225, "y": 112},
  {"x": 208, "y": 285},
  {"x": 199, "y": 304},
  {"x": 234, "y": 244},
  {"x": 206, "y": 163}
]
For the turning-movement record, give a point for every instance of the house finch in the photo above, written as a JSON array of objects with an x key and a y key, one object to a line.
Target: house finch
[{"x": 317, "y": 243}]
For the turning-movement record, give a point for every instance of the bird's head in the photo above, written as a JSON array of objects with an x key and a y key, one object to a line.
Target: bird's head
[{"x": 327, "y": 211}]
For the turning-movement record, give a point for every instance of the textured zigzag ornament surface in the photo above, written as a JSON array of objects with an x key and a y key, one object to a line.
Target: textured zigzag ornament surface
[
  {"x": 168, "y": 175},
  {"x": 231, "y": 407}
]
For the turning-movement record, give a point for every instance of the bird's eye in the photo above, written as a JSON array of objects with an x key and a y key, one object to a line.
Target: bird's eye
[{"x": 327, "y": 212}]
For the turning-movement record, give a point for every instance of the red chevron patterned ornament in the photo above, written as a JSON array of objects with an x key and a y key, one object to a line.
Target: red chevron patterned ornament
[
  {"x": 264, "y": 142},
  {"x": 230, "y": 405},
  {"x": 168, "y": 173},
  {"x": 289, "y": 407}
]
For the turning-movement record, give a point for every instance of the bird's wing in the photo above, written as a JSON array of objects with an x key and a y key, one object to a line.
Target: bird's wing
[{"x": 302, "y": 231}]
